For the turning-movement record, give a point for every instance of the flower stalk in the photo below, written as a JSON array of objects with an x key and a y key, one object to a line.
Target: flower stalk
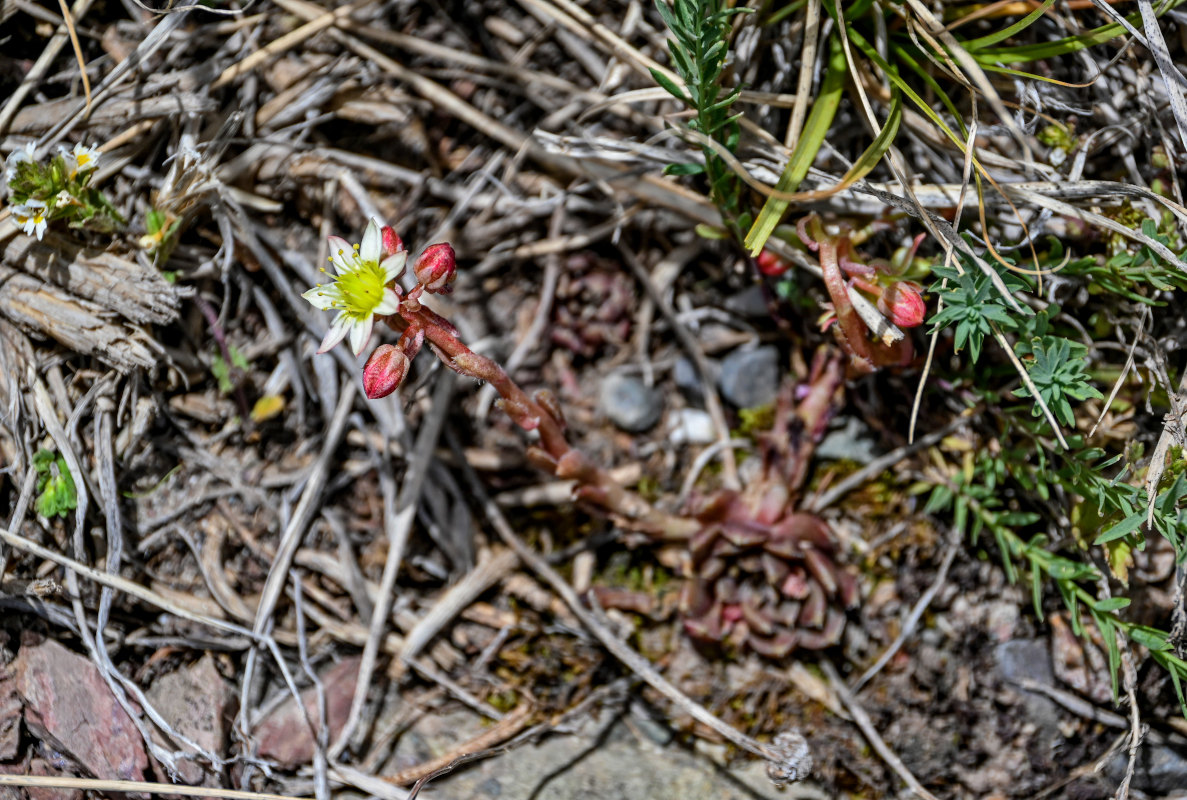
[
  {"x": 900, "y": 300},
  {"x": 794, "y": 600}
]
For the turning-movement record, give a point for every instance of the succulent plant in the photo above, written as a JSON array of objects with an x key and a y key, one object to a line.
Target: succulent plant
[
  {"x": 762, "y": 575},
  {"x": 594, "y": 302}
]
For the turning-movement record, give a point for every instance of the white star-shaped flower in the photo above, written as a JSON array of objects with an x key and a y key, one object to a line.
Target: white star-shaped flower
[
  {"x": 30, "y": 218},
  {"x": 360, "y": 290},
  {"x": 26, "y": 153}
]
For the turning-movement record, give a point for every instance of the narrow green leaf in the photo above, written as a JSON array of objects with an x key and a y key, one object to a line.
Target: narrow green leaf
[
  {"x": 820, "y": 119},
  {"x": 1122, "y": 528},
  {"x": 1008, "y": 31},
  {"x": 1112, "y": 604},
  {"x": 669, "y": 86},
  {"x": 684, "y": 169}
]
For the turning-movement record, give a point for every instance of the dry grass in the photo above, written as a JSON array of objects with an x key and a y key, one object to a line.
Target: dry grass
[{"x": 283, "y": 520}]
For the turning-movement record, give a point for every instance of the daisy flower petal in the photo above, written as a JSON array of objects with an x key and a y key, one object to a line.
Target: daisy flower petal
[
  {"x": 85, "y": 158},
  {"x": 360, "y": 334},
  {"x": 390, "y": 303},
  {"x": 335, "y": 334},
  {"x": 393, "y": 266},
  {"x": 321, "y": 297},
  {"x": 342, "y": 254},
  {"x": 371, "y": 248}
]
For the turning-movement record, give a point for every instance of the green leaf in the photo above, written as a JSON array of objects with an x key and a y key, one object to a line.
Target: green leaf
[
  {"x": 58, "y": 494},
  {"x": 820, "y": 119},
  {"x": 1112, "y": 604},
  {"x": 1058, "y": 371},
  {"x": 1150, "y": 638},
  {"x": 1008, "y": 31},
  {"x": 670, "y": 86},
  {"x": 1122, "y": 528}
]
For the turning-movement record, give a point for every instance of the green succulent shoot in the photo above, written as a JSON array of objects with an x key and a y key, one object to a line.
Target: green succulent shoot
[{"x": 56, "y": 493}]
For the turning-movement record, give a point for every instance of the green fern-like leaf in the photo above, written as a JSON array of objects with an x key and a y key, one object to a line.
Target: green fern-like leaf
[
  {"x": 1058, "y": 373},
  {"x": 971, "y": 304}
]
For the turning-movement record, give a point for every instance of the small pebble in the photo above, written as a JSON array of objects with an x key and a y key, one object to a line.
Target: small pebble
[
  {"x": 750, "y": 302},
  {"x": 691, "y": 426},
  {"x": 1161, "y": 769},
  {"x": 750, "y": 378},
  {"x": 688, "y": 379},
  {"x": 850, "y": 443},
  {"x": 629, "y": 403}
]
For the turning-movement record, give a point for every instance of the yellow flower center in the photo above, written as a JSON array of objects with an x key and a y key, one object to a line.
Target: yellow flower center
[{"x": 361, "y": 289}]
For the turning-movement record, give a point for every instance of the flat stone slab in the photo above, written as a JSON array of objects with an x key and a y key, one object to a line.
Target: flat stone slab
[
  {"x": 70, "y": 708},
  {"x": 613, "y": 757}
]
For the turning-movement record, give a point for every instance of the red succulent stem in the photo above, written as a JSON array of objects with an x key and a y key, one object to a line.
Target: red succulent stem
[
  {"x": 852, "y": 328},
  {"x": 594, "y": 483}
]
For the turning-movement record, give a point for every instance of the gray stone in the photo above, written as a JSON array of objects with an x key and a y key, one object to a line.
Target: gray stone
[
  {"x": 686, "y": 376},
  {"x": 850, "y": 443},
  {"x": 750, "y": 378},
  {"x": 69, "y": 707},
  {"x": 1160, "y": 769},
  {"x": 1030, "y": 659},
  {"x": 629, "y": 403},
  {"x": 1025, "y": 659},
  {"x": 283, "y": 735},
  {"x": 750, "y": 302},
  {"x": 601, "y": 757},
  {"x": 193, "y": 701}
]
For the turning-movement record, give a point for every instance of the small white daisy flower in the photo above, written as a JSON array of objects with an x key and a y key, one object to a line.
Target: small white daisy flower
[
  {"x": 64, "y": 199},
  {"x": 80, "y": 159},
  {"x": 30, "y": 218},
  {"x": 360, "y": 290},
  {"x": 26, "y": 153}
]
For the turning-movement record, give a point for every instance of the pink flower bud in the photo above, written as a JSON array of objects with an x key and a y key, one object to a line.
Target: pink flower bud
[
  {"x": 384, "y": 371},
  {"x": 436, "y": 268},
  {"x": 903, "y": 303},
  {"x": 771, "y": 264},
  {"x": 392, "y": 243}
]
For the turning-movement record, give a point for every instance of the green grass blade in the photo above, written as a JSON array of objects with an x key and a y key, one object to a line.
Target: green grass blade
[
  {"x": 1007, "y": 32},
  {"x": 882, "y": 142},
  {"x": 820, "y": 119},
  {"x": 891, "y": 73},
  {"x": 1062, "y": 47},
  {"x": 902, "y": 56}
]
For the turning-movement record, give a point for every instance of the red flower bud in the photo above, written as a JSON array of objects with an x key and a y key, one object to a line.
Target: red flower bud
[
  {"x": 392, "y": 243},
  {"x": 384, "y": 371},
  {"x": 903, "y": 304},
  {"x": 436, "y": 268},
  {"x": 771, "y": 264}
]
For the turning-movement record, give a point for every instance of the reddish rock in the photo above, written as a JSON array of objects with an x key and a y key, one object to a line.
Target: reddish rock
[
  {"x": 283, "y": 735},
  {"x": 53, "y": 765},
  {"x": 70, "y": 709},
  {"x": 10, "y": 715},
  {"x": 193, "y": 700}
]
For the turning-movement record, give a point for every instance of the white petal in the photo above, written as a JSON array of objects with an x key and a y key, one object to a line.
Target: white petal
[
  {"x": 322, "y": 297},
  {"x": 371, "y": 248},
  {"x": 390, "y": 303},
  {"x": 393, "y": 266},
  {"x": 360, "y": 333},
  {"x": 336, "y": 333},
  {"x": 342, "y": 254},
  {"x": 40, "y": 228}
]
